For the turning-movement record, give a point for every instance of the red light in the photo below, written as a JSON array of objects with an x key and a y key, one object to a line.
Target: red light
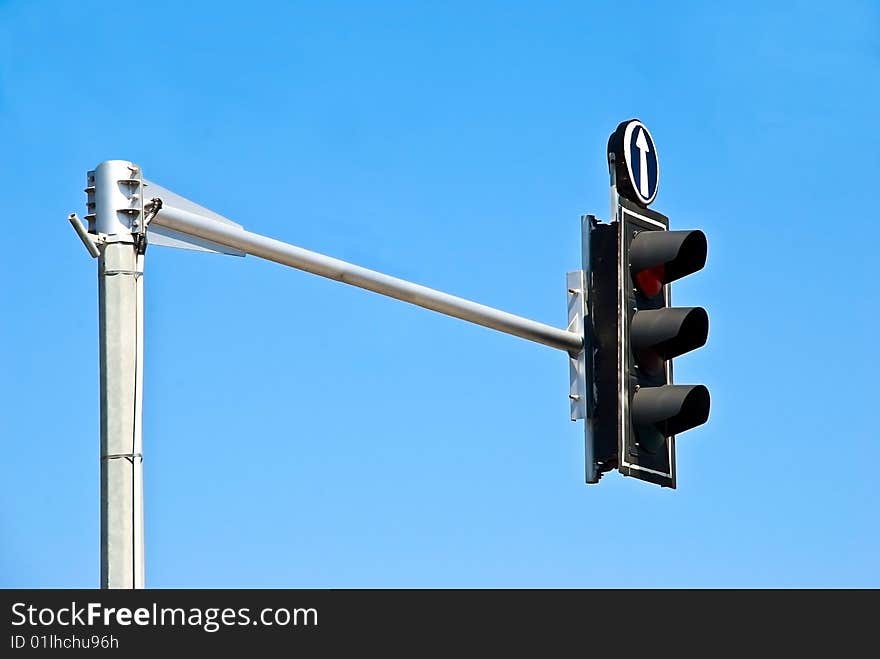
[{"x": 650, "y": 281}]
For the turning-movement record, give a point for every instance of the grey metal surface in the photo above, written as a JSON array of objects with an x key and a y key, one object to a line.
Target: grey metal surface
[
  {"x": 165, "y": 237},
  {"x": 113, "y": 188},
  {"x": 121, "y": 336},
  {"x": 193, "y": 224},
  {"x": 86, "y": 238}
]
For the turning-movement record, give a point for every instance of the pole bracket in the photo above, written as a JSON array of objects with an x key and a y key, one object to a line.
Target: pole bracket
[
  {"x": 89, "y": 240},
  {"x": 577, "y": 310}
]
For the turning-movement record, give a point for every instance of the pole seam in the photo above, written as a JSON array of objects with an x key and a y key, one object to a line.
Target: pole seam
[{"x": 134, "y": 273}]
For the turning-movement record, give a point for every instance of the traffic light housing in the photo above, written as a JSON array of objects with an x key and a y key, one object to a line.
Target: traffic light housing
[{"x": 636, "y": 334}]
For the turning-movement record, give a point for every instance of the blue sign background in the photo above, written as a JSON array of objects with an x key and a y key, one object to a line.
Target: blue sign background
[{"x": 635, "y": 161}]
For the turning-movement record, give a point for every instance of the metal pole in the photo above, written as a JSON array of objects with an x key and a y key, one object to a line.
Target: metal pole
[
  {"x": 235, "y": 237},
  {"x": 592, "y": 476},
  {"x": 121, "y": 322}
]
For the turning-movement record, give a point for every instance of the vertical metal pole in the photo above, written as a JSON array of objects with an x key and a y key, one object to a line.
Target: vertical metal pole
[
  {"x": 120, "y": 318},
  {"x": 592, "y": 476}
]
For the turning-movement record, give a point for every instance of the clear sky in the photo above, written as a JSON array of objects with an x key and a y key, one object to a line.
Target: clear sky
[{"x": 302, "y": 433}]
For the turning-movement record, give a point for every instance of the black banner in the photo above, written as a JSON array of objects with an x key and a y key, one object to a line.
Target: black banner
[{"x": 417, "y": 621}]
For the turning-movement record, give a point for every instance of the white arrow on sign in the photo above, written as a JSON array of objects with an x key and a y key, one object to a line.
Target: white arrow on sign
[{"x": 642, "y": 146}]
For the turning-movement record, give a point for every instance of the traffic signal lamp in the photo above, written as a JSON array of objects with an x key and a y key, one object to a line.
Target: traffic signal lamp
[{"x": 636, "y": 335}]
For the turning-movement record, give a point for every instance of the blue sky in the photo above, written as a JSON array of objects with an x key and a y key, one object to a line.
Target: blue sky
[{"x": 302, "y": 433}]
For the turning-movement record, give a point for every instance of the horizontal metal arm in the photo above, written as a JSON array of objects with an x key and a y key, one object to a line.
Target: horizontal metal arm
[{"x": 235, "y": 237}]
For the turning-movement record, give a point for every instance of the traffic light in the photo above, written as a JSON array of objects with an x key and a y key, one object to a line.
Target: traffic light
[{"x": 636, "y": 332}]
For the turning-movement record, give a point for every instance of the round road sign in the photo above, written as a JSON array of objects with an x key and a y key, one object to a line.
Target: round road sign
[{"x": 635, "y": 161}]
